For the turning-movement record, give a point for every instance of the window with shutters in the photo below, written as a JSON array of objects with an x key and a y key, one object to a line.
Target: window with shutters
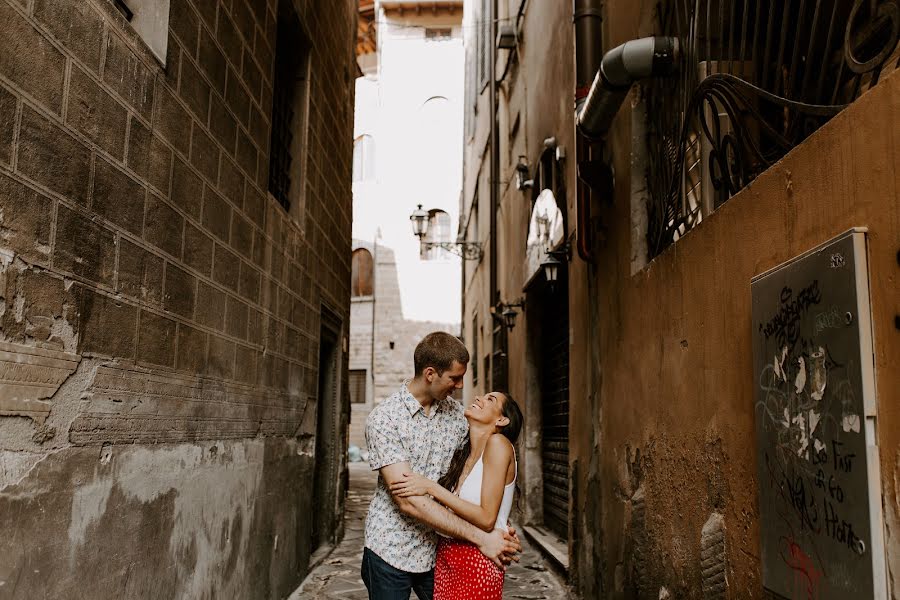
[
  {"x": 361, "y": 273},
  {"x": 357, "y": 382},
  {"x": 483, "y": 27},
  {"x": 364, "y": 158}
]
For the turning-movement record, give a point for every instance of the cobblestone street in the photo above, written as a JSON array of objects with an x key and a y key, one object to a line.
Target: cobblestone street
[{"x": 337, "y": 577}]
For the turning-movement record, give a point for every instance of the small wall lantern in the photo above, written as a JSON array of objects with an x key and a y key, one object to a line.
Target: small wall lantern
[
  {"x": 551, "y": 264},
  {"x": 523, "y": 180},
  {"x": 419, "y": 220},
  {"x": 509, "y": 313},
  {"x": 506, "y": 37}
]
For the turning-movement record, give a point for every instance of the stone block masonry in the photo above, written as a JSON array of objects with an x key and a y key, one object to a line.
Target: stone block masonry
[{"x": 159, "y": 311}]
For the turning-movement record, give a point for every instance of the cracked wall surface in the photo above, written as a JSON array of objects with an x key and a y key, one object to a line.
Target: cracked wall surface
[{"x": 159, "y": 310}]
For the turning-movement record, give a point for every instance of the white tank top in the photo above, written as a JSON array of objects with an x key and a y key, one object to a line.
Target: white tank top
[{"x": 471, "y": 491}]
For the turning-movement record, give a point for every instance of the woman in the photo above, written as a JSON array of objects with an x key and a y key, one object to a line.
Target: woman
[{"x": 479, "y": 487}]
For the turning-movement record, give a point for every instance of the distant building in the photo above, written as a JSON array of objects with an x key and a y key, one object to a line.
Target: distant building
[
  {"x": 407, "y": 151},
  {"x": 175, "y": 206}
]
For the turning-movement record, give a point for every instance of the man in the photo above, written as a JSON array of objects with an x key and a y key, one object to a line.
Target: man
[{"x": 419, "y": 428}]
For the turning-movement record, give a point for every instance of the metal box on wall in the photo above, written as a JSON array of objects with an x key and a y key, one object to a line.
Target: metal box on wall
[{"x": 821, "y": 527}]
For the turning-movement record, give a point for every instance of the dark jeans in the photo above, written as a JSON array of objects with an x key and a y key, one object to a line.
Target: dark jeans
[{"x": 384, "y": 582}]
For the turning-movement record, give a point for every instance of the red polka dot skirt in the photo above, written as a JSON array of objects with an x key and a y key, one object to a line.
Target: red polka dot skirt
[{"x": 462, "y": 572}]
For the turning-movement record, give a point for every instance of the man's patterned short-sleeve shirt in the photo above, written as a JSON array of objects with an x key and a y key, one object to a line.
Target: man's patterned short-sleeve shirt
[{"x": 398, "y": 430}]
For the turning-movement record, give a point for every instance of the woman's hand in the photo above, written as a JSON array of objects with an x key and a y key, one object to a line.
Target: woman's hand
[{"x": 411, "y": 484}]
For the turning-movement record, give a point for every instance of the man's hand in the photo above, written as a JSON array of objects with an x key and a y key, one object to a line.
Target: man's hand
[{"x": 501, "y": 547}]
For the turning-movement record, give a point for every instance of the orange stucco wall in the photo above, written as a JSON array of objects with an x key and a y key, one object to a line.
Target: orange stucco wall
[{"x": 677, "y": 390}]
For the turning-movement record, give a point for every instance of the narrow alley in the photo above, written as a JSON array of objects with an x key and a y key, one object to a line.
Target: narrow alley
[
  {"x": 640, "y": 258},
  {"x": 337, "y": 576}
]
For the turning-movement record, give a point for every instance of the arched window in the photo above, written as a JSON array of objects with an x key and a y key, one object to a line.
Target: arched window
[
  {"x": 438, "y": 231},
  {"x": 361, "y": 275},
  {"x": 364, "y": 158}
]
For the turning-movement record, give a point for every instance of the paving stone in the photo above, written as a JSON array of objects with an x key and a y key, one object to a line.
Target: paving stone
[{"x": 337, "y": 576}]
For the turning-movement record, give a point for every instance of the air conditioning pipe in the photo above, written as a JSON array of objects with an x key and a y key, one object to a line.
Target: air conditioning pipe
[{"x": 620, "y": 68}]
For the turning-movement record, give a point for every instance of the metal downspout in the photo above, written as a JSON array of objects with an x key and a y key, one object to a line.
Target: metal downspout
[
  {"x": 495, "y": 154},
  {"x": 587, "y": 17}
]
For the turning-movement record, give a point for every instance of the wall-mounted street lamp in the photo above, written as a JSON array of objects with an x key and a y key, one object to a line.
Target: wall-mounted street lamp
[
  {"x": 523, "y": 180},
  {"x": 508, "y": 312},
  {"x": 506, "y": 37},
  {"x": 551, "y": 264},
  {"x": 467, "y": 250}
]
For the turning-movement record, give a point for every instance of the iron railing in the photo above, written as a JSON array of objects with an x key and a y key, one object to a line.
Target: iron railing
[{"x": 756, "y": 78}]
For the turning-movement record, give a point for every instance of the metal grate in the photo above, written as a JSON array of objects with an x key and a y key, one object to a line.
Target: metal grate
[
  {"x": 757, "y": 78},
  {"x": 357, "y": 384},
  {"x": 289, "y": 105},
  {"x": 554, "y": 385},
  {"x": 282, "y": 137}
]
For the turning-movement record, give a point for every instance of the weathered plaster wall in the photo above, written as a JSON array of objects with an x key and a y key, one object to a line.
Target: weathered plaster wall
[
  {"x": 159, "y": 312},
  {"x": 198, "y": 520},
  {"x": 677, "y": 460}
]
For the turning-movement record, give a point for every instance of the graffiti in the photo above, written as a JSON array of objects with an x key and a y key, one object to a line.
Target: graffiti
[
  {"x": 813, "y": 492},
  {"x": 785, "y": 325},
  {"x": 806, "y": 575},
  {"x": 842, "y": 531},
  {"x": 803, "y": 503},
  {"x": 829, "y": 319},
  {"x": 833, "y": 489},
  {"x": 842, "y": 462}
]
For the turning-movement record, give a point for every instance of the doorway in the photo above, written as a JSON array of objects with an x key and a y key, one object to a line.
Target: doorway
[
  {"x": 327, "y": 425},
  {"x": 553, "y": 377}
]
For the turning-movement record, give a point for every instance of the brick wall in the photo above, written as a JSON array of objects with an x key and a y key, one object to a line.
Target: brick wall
[{"x": 140, "y": 251}]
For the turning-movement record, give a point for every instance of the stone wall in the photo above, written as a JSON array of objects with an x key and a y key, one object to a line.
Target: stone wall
[{"x": 159, "y": 311}]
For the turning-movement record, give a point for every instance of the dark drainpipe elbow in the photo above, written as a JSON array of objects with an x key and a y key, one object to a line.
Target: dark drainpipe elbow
[{"x": 620, "y": 68}]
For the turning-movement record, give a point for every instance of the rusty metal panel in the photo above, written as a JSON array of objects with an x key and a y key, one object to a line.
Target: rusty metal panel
[{"x": 817, "y": 459}]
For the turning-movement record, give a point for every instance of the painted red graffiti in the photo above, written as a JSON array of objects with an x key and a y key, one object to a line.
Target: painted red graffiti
[{"x": 806, "y": 575}]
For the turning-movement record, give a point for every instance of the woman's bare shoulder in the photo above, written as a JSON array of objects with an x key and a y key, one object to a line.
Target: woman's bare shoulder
[{"x": 498, "y": 445}]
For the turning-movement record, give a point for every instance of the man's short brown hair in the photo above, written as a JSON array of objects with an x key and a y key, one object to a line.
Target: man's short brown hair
[{"x": 438, "y": 350}]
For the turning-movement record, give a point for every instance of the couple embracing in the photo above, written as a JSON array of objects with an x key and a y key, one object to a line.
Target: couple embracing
[{"x": 438, "y": 521}]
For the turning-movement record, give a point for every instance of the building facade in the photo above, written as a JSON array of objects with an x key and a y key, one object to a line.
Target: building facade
[
  {"x": 174, "y": 265},
  {"x": 407, "y": 152},
  {"x": 646, "y": 469}
]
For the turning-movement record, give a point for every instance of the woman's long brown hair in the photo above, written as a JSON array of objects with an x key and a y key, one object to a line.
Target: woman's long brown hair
[{"x": 511, "y": 430}]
